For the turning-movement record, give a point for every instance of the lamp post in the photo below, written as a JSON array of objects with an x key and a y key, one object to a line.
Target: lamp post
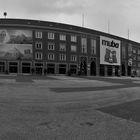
[{"x": 5, "y": 14}]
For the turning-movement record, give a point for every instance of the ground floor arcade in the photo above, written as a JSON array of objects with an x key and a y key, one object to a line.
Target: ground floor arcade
[
  {"x": 38, "y": 68},
  {"x": 42, "y": 68}
]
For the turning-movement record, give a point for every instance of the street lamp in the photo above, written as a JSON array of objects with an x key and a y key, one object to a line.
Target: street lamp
[{"x": 5, "y": 14}]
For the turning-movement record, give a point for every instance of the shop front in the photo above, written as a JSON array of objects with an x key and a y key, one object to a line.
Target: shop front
[
  {"x": 50, "y": 68},
  {"x": 38, "y": 66},
  {"x": 13, "y": 67},
  {"x": 26, "y": 67},
  {"x": 62, "y": 68},
  {"x": 2, "y": 67},
  {"x": 73, "y": 69}
]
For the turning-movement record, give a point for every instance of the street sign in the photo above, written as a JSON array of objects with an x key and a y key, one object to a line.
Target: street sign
[{"x": 130, "y": 62}]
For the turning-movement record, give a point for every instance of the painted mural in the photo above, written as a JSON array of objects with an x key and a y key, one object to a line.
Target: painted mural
[{"x": 16, "y": 44}]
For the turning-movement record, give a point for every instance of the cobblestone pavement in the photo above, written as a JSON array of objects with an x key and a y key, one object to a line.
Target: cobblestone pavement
[{"x": 69, "y": 108}]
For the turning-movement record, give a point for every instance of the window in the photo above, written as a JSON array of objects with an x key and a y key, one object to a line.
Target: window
[
  {"x": 62, "y": 47},
  {"x": 73, "y": 48},
  {"x": 139, "y": 51},
  {"x": 134, "y": 57},
  {"x": 73, "y": 38},
  {"x": 50, "y": 35},
  {"x": 62, "y": 37},
  {"x": 38, "y": 34},
  {"x": 134, "y": 50},
  {"x": 129, "y": 50},
  {"x": 138, "y": 58},
  {"x": 38, "y": 45},
  {"x": 134, "y": 64},
  {"x": 51, "y": 46},
  {"x": 73, "y": 58},
  {"x": 38, "y": 55},
  {"x": 50, "y": 56},
  {"x": 93, "y": 46},
  {"x": 62, "y": 57},
  {"x": 84, "y": 45},
  {"x": 27, "y": 51},
  {"x": 123, "y": 52},
  {"x": 138, "y": 64}
]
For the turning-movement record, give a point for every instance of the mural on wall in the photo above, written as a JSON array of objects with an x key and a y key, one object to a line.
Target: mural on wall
[
  {"x": 15, "y": 44},
  {"x": 109, "y": 51}
]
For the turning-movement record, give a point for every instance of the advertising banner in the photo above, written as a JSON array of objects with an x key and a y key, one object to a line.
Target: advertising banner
[
  {"x": 109, "y": 51},
  {"x": 15, "y": 44}
]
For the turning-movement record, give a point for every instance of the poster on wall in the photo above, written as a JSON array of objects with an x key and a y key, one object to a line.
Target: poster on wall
[
  {"x": 109, "y": 51},
  {"x": 15, "y": 44}
]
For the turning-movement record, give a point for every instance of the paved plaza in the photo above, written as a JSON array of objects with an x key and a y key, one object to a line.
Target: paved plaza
[{"x": 69, "y": 108}]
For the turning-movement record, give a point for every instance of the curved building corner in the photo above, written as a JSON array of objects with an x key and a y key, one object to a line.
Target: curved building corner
[{"x": 41, "y": 47}]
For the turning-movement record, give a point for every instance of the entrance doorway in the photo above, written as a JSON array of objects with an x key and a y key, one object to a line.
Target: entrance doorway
[
  {"x": 93, "y": 68},
  {"x": 123, "y": 70},
  {"x": 13, "y": 67},
  {"x": 129, "y": 70}
]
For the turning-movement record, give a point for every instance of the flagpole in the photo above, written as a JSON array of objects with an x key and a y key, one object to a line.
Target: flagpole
[
  {"x": 108, "y": 26},
  {"x": 128, "y": 33},
  {"x": 83, "y": 20}
]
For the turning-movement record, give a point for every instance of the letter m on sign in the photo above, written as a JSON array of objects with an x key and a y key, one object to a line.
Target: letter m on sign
[{"x": 104, "y": 42}]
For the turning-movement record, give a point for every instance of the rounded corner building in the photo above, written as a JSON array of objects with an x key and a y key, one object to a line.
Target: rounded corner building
[{"x": 41, "y": 47}]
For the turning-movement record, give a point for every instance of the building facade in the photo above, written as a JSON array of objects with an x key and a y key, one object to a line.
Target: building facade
[{"x": 40, "y": 47}]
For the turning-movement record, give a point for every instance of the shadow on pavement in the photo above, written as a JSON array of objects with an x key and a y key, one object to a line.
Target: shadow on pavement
[
  {"x": 123, "y": 83},
  {"x": 129, "y": 110}
]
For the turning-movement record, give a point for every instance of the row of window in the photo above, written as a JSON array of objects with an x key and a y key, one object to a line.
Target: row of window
[
  {"x": 51, "y": 56},
  {"x": 51, "y": 46},
  {"x": 134, "y": 64},
  {"x": 62, "y": 37},
  {"x": 51, "y": 35},
  {"x": 132, "y": 52}
]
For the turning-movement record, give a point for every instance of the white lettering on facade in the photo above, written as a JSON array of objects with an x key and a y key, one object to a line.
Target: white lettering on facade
[{"x": 110, "y": 43}]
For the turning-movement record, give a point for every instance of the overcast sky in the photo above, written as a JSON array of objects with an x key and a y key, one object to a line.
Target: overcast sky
[{"x": 120, "y": 14}]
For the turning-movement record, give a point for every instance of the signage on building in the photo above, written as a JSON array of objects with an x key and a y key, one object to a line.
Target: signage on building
[
  {"x": 109, "y": 51},
  {"x": 130, "y": 62}
]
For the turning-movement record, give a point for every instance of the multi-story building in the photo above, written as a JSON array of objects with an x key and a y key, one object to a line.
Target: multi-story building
[{"x": 28, "y": 46}]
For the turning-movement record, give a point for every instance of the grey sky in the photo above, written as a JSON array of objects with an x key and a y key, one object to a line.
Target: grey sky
[{"x": 120, "y": 14}]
